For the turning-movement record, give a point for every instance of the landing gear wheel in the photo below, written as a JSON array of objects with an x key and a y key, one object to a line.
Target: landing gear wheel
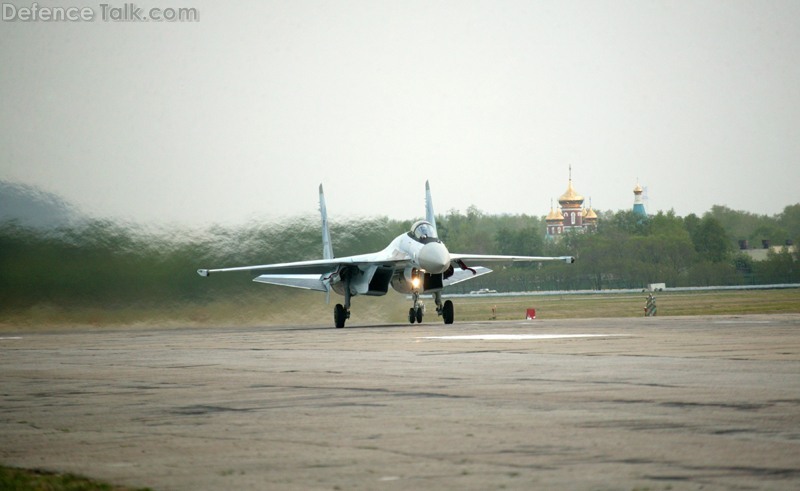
[
  {"x": 447, "y": 312},
  {"x": 339, "y": 315},
  {"x": 415, "y": 315}
]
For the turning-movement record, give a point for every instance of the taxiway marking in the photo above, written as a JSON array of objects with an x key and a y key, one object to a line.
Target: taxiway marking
[{"x": 517, "y": 337}]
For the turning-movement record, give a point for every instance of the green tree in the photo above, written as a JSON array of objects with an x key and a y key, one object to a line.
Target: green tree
[
  {"x": 626, "y": 221},
  {"x": 710, "y": 240},
  {"x": 789, "y": 220},
  {"x": 780, "y": 267},
  {"x": 525, "y": 241}
]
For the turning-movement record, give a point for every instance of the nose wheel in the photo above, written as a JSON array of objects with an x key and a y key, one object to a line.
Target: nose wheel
[
  {"x": 416, "y": 312},
  {"x": 444, "y": 309}
]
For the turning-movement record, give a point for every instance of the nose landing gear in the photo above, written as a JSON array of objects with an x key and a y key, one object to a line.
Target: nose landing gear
[
  {"x": 443, "y": 309},
  {"x": 416, "y": 312}
]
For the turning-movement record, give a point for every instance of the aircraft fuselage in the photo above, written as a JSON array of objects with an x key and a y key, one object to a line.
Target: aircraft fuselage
[{"x": 428, "y": 260}]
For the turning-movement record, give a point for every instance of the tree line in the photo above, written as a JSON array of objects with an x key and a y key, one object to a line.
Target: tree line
[
  {"x": 629, "y": 251},
  {"x": 105, "y": 264}
]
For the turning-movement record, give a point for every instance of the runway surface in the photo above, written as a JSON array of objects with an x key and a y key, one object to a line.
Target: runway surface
[{"x": 637, "y": 403}]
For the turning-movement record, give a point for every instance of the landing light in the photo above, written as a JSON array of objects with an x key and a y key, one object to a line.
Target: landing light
[{"x": 415, "y": 282}]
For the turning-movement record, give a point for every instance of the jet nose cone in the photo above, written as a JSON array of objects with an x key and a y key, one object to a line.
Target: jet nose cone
[{"x": 434, "y": 258}]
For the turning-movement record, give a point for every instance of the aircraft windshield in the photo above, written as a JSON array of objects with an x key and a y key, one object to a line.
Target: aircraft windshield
[{"x": 423, "y": 230}]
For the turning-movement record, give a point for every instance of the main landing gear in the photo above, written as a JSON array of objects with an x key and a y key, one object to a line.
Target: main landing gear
[
  {"x": 447, "y": 312},
  {"x": 342, "y": 312},
  {"x": 445, "y": 309},
  {"x": 340, "y": 315}
]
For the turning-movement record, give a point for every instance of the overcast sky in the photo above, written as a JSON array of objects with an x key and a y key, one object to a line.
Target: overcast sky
[{"x": 243, "y": 113}]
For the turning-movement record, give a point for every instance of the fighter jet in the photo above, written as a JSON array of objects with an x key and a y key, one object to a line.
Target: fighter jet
[{"x": 413, "y": 263}]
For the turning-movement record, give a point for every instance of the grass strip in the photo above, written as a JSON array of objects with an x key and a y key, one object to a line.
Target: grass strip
[{"x": 13, "y": 479}]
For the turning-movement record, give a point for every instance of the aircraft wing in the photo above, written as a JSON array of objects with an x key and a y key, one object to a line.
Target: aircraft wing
[
  {"x": 460, "y": 275},
  {"x": 304, "y": 281},
  {"x": 318, "y": 266},
  {"x": 482, "y": 258},
  {"x": 308, "y": 275}
]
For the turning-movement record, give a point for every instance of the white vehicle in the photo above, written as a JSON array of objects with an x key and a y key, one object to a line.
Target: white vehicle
[
  {"x": 482, "y": 291},
  {"x": 413, "y": 263}
]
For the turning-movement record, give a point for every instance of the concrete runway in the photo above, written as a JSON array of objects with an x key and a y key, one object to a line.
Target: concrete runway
[{"x": 659, "y": 403}]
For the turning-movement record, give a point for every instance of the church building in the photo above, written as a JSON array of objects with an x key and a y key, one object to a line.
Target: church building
[{"x": 570, "y": 216}]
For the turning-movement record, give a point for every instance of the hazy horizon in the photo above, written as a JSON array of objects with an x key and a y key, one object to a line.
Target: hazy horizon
[
  {"x": 35, "y": 207},
  {"x": 244, "y": 112}
]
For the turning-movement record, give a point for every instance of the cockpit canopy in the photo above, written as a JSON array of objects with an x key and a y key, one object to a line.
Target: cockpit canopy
[{"x": 423, "y": 231}]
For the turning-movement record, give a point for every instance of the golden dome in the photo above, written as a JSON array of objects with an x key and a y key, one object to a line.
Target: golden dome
[
  {"x": 638, "y": 189},
  {"x": 555, "y": 214},
  {"x": 570, "y": 196},
  {"x": 590, "y": 215}
]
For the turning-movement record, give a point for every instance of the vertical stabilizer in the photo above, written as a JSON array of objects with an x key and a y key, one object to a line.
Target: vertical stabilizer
[
  {"x": 327, "y": 247},
  {"x": 429, "y": 216}
]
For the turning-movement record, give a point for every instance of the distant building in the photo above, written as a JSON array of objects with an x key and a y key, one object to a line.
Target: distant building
[
  {"x": 589, "y": 217},
  {"x": 570, "y": 216},
  {"x": 555, "y": 222},
  {"x": 638, "y": 202},
  {"x": 762, "y": 254}
]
